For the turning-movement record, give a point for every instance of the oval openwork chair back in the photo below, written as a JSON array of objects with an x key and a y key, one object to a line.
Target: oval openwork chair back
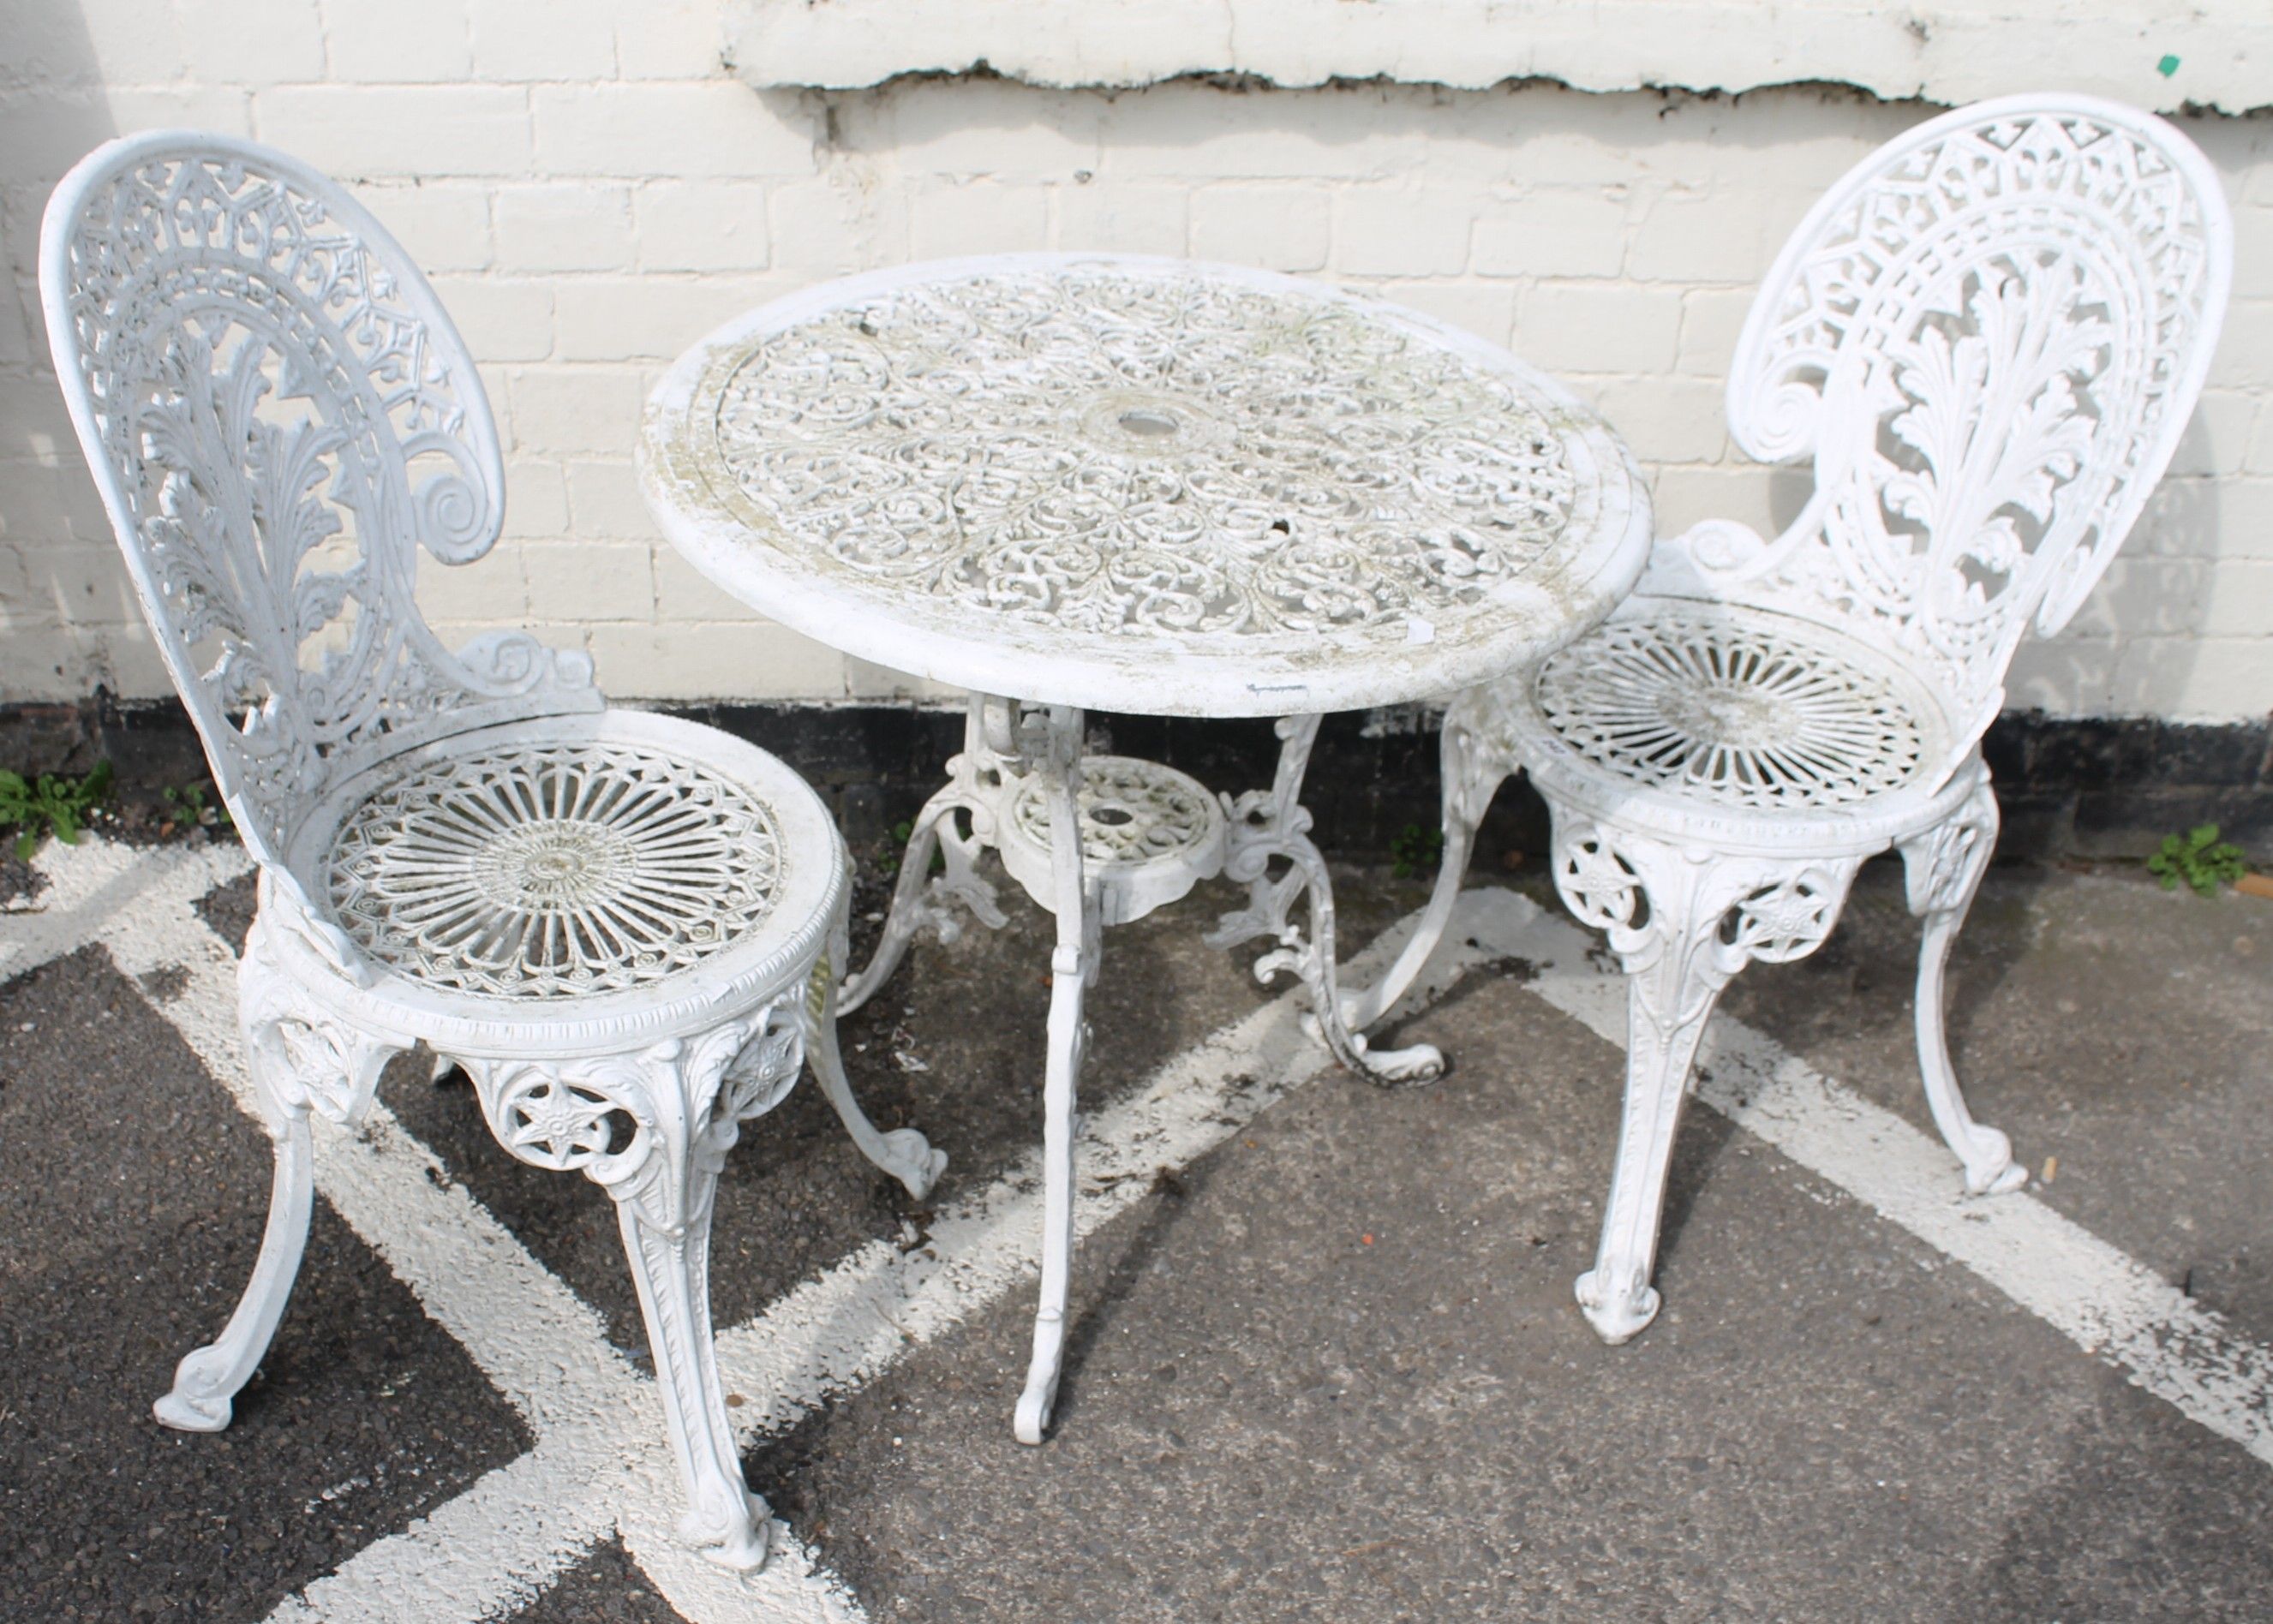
[
  {"x": 279, "y": 414},
  {"x": 1988, "y": 338}
]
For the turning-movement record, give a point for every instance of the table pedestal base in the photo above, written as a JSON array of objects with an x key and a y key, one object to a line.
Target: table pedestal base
[{"x": 1104, "y": 840}]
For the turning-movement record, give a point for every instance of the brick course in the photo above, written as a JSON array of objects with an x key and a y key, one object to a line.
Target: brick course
[{"x": 592, "y": 190}]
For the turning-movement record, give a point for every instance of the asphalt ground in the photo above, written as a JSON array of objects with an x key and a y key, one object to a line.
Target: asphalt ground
[{"x": 1325, "y": 1362}]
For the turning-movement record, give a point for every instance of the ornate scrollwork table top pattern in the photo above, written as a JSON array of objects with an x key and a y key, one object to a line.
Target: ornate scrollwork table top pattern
[
  {"x": 554, "y": 870},
  {"x": 1177, "y": 473}
]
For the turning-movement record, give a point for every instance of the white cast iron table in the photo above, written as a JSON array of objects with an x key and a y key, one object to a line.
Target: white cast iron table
[{"x": 1140, "y": 485}]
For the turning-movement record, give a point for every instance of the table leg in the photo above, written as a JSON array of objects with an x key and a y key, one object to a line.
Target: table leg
[
  {"x": 935, "y": 830},
  {"x": 1271, "y": 826},
  {"x": 1072, "y": 967}
]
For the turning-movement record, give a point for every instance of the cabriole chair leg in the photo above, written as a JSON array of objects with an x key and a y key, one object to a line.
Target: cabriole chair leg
[
  {"x": 685, "y": 1101},
  {"x": 1944, "y": 869},
  {"x": 207, "y": 1381},
  {"x": 1683, "y": 921},
  {"x": 1674, "y": 979},
  {"x": 665, "y": 1220},
  {"x": 298, "y": 1063}
]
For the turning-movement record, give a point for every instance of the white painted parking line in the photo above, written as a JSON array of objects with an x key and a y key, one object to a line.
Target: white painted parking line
[
  {"x": 2101, "y": 1298},
  {"x": 601, "y": 1463},
  {"x": 494, "y": 1545},
  {"x": 840, "y": 1331},
  {"x": 91, "y": 886}
]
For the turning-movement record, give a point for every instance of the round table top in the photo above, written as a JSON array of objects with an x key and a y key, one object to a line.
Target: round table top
[{"x": 1140, "y": 484}]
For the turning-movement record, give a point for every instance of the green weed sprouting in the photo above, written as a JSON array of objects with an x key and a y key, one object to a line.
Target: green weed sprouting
[
  {"x": 895, "y": 841},
  {"x": 889, "y": 851},
  {"x": 191, "y": 808},
  {"x": 2199, "y": 859},
  {"x": 50, "y": 805},
  {"x": 1414, "y": 848}
]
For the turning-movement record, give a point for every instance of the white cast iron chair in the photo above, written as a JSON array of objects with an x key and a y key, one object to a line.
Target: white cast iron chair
[
  {"x": 1987, "y": 339},
  {"x": 627, "y": 928}
]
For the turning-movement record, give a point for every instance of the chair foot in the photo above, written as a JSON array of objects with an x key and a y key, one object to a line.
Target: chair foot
[
  {"x": 300, "y": 1062},
  {"x": 909, "y": 1157},
  {"x": 1991, "y": 1170},
  {"x": 1617, "y": 1315},
  {"x": 743, "y": 1549},
  {"x": 1945, "y": 865},
  {"x": 1032, "y": 1421},
  {"x": 184, "y": 1410},
  {"x": 1683, "y": 921}
]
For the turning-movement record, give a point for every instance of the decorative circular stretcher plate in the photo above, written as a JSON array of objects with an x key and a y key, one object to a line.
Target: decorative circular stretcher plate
[
  {"x": 1143, "y": 484},
  {"x": 553, "y": 871},
  {"x": 1132, "y": 813}
]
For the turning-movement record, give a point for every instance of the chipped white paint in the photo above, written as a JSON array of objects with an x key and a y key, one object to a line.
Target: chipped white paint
[{"x": 1939, "y": 50}]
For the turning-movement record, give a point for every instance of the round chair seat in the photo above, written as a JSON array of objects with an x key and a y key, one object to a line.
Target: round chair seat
[
  {"x": 1729, "y": 712},
  {"x": 1148, "y": 834},
  {"x": 626, "y": 863}
]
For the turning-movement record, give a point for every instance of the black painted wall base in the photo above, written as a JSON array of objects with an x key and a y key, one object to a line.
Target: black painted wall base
[{"x": 2069, "y": 789}]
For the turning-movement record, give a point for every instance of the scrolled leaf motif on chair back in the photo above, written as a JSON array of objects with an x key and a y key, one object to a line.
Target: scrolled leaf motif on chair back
[
  {"x": 1988, "y": 339},
  {"x": 286, "y": 414}
]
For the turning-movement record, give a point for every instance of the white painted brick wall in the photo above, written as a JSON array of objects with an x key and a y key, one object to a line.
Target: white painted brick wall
[{"x": 592, "y": 189}]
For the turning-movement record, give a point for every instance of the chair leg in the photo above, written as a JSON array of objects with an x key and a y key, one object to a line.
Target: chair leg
[
  {"x": 1682, "y": 922},
  {"x": 1472, "y": 773},
  {"x": 684, "y": 1100},
  {"x": 1944, "y": 868},
  {"x": 904, "y": 1153},
  {"x": 299, "y": 1062},
  {"x": 666, "y": 1228}
]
